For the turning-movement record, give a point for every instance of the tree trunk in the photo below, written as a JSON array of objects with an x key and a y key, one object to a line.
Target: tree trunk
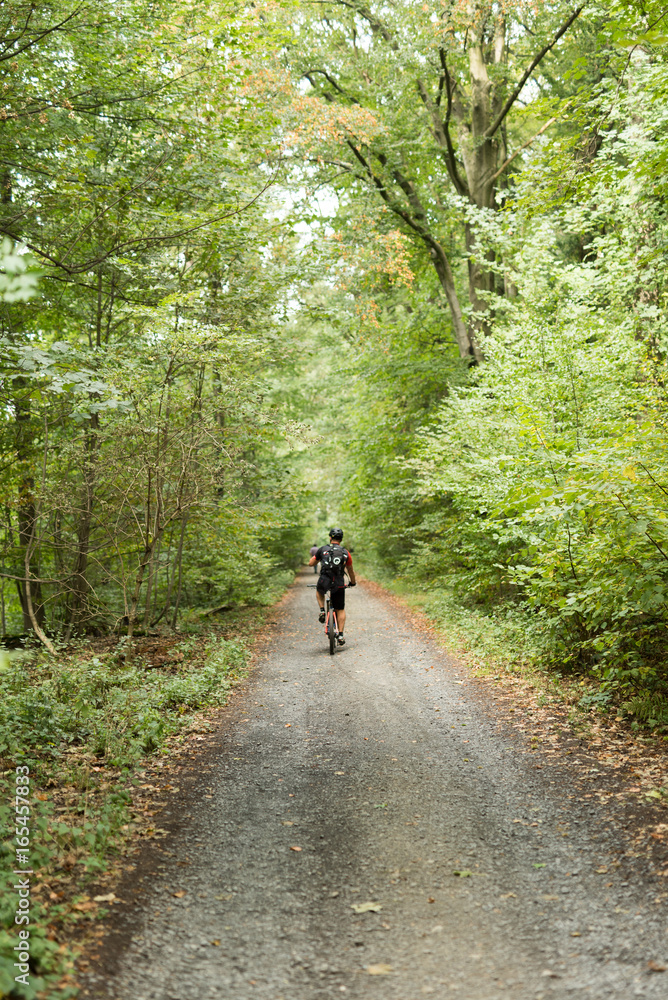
[
  {"x": 466, "y": 338},
  {"x": 31, "y": 605},
  {"x": 78, "y": 583},
  {"x": 171, "y": 573},
  {"x": 151, "y": 584},
  {"x": 480, "y": 155},
  {"x": 179, "y": 563},
  {"x": 139, "y": 579}
]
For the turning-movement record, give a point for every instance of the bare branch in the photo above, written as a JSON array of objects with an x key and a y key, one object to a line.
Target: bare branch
[
  {"x": 441, "y": 131},
  {"x": 331, "y": 80},
  {"x": 12, "y": 53}
]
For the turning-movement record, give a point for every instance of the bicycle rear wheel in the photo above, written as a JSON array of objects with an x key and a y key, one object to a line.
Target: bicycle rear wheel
[{"x": 331, "y": 631}]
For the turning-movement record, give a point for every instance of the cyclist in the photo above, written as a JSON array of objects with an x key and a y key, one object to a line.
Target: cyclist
[{"x": 334, "y": 562}]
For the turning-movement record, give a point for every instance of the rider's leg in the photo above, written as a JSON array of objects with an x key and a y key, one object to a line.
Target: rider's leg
[
  {"x": 320, "y": 598},
  {"x": 341, "y": 619}
]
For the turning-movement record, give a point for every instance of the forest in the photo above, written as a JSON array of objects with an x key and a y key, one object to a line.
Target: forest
[
  {"x": 267, "y": 265},
  {"x": 273, "y": 265},
  {"x": 401, "y": 264}
]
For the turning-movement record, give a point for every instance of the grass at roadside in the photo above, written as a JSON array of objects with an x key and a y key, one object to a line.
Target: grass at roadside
[{"x": 82, "y": 723}]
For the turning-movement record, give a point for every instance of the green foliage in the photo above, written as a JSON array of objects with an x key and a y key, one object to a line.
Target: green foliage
[
  {"x": 138, "y": 423},
  {"x": 60, "y": 716},
  {"x": 531, "y": 493},
  {"x": 117, "y": 710},
  {"x": 19, "y": 274}
]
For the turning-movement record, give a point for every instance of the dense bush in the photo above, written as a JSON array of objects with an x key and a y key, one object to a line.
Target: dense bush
[{"x": 82, "y": 723}]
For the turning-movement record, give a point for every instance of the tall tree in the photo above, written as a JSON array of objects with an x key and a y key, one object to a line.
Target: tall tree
[{"x": 412, "y": 102}]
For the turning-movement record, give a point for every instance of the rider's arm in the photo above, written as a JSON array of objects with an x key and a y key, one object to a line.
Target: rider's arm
[
  {"x": 350, "y": 571},
  {"x": 312, "y": 561}
]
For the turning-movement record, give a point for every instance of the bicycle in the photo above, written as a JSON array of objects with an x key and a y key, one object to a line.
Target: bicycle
[{"x": 331, "y": 624}]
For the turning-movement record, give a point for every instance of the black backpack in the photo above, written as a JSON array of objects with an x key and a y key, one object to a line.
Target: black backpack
[{"x": 332, "y": 564}]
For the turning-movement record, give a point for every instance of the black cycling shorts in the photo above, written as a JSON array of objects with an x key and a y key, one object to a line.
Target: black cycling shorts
[{"x": 337, "y": 592}]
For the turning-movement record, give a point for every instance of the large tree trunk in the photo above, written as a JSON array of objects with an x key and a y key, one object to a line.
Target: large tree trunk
[{"x": 480, "y": 155}]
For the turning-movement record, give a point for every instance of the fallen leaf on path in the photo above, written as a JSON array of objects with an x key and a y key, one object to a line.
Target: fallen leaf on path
[
  {"x": 180, "y": 894},
  {"x": 602, "y": 870},
  {"x": 109, "y": 898},
  {"x": 288, "y": 725},
  {"x": 295, "y": 848},
  {"x": 551, "y": 899},
  {"x": 509, "y": 895},
  {"x": 216, "y": 942},
  {"x": 539, "y": 865},
  {"x": 288, "y": 822},
  {"x": 431, "y": 900},
  {"x": 339, "y": 772},
  {"x": 549, "y": 974},
  {"x": 464, "y": 873},
  {"x": 576, "y": 934},
  {"x": 366, "y": 907},
  {"x": 656, "y": 967},
  {"x": 379, "y": 970},
  {"x": 84, "y": 906}
]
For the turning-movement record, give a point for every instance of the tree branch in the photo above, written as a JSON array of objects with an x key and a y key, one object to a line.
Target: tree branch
[
  {"x": 11, "y": 53},
  {"x": 442, "y": 135},
  {"x": 489, "y": 132},
  {"x": 467, "y": 346},
  {"x": 331, "y": 80},
  {"x": 376, "y": 25},
  {"x": 524, "y": 145},
  {"x": 139, "y": 241}
]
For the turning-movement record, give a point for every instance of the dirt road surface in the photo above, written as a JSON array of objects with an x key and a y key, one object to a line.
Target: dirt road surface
[{"x": 318, "y": 852}]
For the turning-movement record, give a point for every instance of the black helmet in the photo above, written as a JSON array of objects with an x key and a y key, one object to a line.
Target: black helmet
[{"x": 336, "y": 534}]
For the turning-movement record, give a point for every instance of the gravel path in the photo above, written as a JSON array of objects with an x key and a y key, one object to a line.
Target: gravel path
[{"x": 370, "y": 778}]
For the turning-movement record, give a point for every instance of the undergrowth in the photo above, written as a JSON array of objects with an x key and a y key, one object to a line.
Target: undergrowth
[{"x": 82, "y": 722}]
